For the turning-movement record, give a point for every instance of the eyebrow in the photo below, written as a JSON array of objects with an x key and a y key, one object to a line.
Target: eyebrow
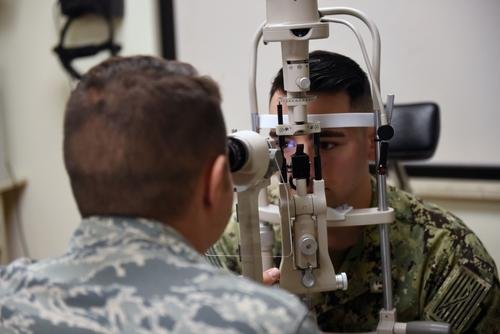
[
  {"x": 324, "y": 133},
  {"x": 333, "y": 133}
]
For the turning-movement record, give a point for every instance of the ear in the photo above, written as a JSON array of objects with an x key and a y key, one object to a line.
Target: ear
[
  {"x": 370, "y": 138},
  {"x": 216, "y": 181}
]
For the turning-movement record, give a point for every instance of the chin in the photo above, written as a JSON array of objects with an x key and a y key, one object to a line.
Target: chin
[{"x": 332, "y": 200}]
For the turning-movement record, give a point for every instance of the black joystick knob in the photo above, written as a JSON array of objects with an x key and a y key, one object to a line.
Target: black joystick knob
[{"x": 385, "y": 132}]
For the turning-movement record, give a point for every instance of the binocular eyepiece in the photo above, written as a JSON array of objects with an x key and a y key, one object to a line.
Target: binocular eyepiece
[{"x": 237, "y": 153}]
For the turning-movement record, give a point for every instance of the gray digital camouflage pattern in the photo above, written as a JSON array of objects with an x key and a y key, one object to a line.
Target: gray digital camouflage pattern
[
  {"x": 440, "y": 271},
  {"x": 124, "y": 275}
]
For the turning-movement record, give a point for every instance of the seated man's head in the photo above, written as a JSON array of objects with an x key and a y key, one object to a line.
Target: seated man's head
[
  {"x": 145, "y": 137},
  {"x": 341, "y": 86}
]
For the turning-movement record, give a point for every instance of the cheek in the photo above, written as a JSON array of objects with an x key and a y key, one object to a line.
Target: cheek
[
  {"x": 230, "y": 198},
  {"x": 342, "y": 165},
  {"x": 334, "y": 168}
]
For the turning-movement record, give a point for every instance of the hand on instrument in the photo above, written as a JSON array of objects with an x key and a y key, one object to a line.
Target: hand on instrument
[{"x": 271, "y": 276}]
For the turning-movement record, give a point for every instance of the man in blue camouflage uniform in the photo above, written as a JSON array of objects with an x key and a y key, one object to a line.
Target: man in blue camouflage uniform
[
  {"x": 151, "y": 203},
  {"x": 440, "y": 269}
]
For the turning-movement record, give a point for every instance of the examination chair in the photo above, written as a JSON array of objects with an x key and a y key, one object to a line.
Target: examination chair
[{"x": 416, "y": 127}]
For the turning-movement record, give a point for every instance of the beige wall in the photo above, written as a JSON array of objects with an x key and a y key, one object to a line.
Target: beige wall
[{"x": 34, "y": 89}]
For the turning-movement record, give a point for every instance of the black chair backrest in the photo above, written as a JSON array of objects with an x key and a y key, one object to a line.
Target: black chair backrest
[{"x": 416, "y": 127}]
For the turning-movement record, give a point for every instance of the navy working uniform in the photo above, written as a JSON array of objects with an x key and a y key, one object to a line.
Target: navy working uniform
[
  {"x": 440, "y": 271},
  {"x": 127, "y": 275}
]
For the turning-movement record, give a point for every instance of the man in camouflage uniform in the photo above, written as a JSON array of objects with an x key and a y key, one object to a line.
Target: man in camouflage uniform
[
  {"x": 440, "y": 269},
  {"x": 150, "y": 204}
]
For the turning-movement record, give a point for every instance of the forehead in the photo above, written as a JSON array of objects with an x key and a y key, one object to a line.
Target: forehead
[{"x": 325, "y": 103}]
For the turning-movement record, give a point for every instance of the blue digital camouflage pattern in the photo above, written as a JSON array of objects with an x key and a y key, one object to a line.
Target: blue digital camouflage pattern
[
  {"x": 440, "y": 271},
  {"x": 123, "y": 275}
]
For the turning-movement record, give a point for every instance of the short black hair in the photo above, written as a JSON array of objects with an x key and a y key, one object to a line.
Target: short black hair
[
  {"x": 138, "y": 132},
  {"x": 332, "y": 72}
]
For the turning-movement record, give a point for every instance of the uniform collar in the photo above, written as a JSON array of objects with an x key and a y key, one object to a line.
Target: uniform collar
[
  {"x": 112, "y": 231},
  {"x": 361, "y": 265}
]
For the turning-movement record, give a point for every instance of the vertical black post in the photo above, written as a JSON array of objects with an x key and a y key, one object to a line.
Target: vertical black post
[
  {"x": 167, "y": 28},
  {"x": 317, "y": 158},
  {"x": 281, "y": 142}
]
